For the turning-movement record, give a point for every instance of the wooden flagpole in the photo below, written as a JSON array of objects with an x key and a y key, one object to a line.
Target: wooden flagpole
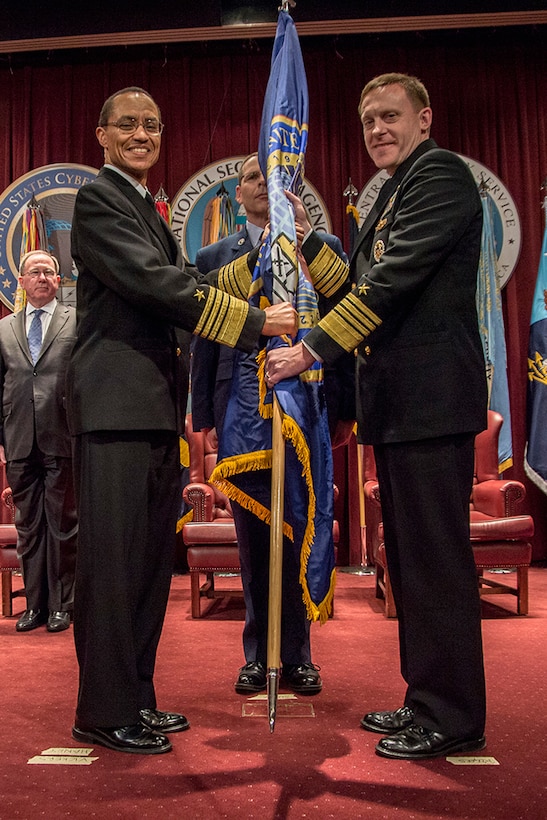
[
  {"x": 276, "y": 541},
  {"x": 276, "y": 560}
]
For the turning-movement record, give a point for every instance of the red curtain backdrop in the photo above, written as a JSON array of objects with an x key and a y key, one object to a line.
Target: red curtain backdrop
[{"x": 489, "y": 97}]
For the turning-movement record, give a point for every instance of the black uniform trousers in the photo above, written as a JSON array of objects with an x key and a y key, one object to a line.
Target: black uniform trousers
[
  {"x": 128, "y": 487},
  {"x": 425, "y": 488}
]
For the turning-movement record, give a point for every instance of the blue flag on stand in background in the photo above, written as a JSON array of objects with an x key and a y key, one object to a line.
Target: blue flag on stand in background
[
  {"x": 279, "y": 275},
  {"x": 492, "y": 331},
  {"x": 535, "y": 459}
]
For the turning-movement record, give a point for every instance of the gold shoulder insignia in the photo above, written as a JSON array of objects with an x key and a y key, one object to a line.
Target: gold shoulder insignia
[
  {"x": 222, "y": 318},
  {"x": 349, "y": 322},
  {"x": 381, "y": 224},
  {"x": 235, "y": 277},
  {"x": 379, "y": 249},
  {"x": 328, "y": 271}
]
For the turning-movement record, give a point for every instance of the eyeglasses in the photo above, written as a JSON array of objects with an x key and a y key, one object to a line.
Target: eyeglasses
[
  {"x": 130, "y": 124},
  {"x": 50, "y": 273}
]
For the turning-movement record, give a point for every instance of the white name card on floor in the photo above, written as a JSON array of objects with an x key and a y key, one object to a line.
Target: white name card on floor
[
  {"x": 473, "y": 761},
  {"x": 64, "y": 757}
]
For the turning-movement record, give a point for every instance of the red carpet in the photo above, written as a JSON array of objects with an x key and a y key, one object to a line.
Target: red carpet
[{"x": 230, "y": 766}]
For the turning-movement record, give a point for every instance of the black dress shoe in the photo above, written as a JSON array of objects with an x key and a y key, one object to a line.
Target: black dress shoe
[
  {"x": 137, "y": 739},
  {"x": 58, "y": 621},
  {"x": 252, "y": 678},
  {"x": 304, "y": 679},
  {"x": 418, "y": 743},
  {"x": 30, "y": 619},
  {"x": 163, "y": 722},
  {"x": 386, "y": 723}
]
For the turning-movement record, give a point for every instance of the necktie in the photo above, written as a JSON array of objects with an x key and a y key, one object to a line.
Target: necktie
[
  {"x": 150, "y": 199},
  {"x": 35, "y": 335}
]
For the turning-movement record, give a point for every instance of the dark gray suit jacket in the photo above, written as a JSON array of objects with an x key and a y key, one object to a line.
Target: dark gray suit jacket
[{"x": 32, "y": 396}]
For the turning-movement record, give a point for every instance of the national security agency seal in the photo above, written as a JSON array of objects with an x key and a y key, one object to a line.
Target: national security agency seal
[
  {"x": 54, "y": 188},
  {"x": 189, "y": 203}
]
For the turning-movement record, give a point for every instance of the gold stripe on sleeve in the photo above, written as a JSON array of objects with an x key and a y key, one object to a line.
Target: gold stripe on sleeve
[
  {"x": 235, "y": 278},
  {"x": 223, "y": 318},
  {"x": 328, "y": 271},
  {"x": 349, "y": 322}
]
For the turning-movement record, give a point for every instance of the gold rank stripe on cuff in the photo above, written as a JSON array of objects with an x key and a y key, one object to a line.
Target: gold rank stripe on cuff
[
  {"x": 328, "y": 271},
  {"x": 235, "y": 278},
  {"x": 223, "y": 317},
  {"x": 349, "y": 322}
]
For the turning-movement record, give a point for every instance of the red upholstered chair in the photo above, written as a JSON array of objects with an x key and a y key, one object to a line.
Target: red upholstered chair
[
  {"x": 9, "y": 563},
  {"x": 376, "y": 533},
  {"x": 211, "y": 535},
  {"x": 499, "y": 535}
]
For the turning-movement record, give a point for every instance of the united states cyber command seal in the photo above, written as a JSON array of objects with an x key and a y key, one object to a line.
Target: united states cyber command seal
[
  {"x": 54, "y": 188},
  {"x": 507, "y": 236},
  {"x": 189, "y": 204}
]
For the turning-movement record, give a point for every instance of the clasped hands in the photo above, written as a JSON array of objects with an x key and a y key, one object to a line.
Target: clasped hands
[{"x": 285, "y": 362}]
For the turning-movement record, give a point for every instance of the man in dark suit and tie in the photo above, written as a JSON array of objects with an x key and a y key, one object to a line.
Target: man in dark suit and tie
[
  {"x": 422, "y": 398},
  {"x": 35, "y": 444},
  {"x": 127, "y": 401}
]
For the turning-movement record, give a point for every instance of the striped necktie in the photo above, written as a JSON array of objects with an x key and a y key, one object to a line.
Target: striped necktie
[{"x": 35, "y": 334}]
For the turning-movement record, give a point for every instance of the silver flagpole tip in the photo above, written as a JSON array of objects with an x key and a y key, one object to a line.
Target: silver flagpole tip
[{"x": 273, "y": 686}]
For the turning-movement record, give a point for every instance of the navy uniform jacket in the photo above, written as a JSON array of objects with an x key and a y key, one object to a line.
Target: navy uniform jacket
[
  {"x": 133, "y": 291},
  {"x": 420, "y": 364}
]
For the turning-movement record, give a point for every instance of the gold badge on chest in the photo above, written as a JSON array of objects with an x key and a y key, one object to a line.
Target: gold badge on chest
[{"x": 379, "y": 249}]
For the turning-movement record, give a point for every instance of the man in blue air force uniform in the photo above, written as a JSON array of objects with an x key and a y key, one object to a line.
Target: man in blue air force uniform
[{"x": 212, "y": 373}]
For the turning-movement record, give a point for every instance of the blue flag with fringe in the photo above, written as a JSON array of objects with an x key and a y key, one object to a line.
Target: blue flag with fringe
[
  {"x": 535, "y": 461},
  {"x": 280, "y": 275},
  {"x": 492, "y": 331}
]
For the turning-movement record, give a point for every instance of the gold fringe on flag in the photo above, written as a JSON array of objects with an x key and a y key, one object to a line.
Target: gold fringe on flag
[{"x": 262, "y": 460}]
